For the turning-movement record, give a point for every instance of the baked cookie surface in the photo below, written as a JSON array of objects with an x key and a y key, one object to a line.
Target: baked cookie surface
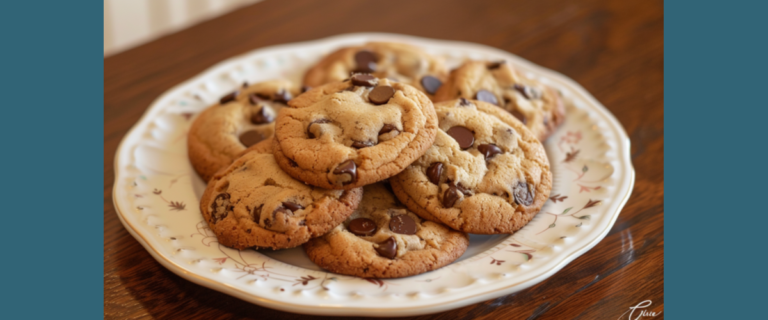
[
  {"x": 538, "y": 106},
  {"x": 349, "y": 134},
  {"x": 397, "y": 61},
  {"x": 240, "y": 119},
  {"x": 486, "y": 172},
  {"x": 382, "y": 239},
  {"x": 252, "y": 203}
]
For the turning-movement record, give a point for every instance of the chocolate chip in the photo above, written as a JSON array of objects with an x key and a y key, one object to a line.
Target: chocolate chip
[
  {"x": 519, "y": 115},
  {"x": 451, "y": 196},
  {"x": 463, "y": 136},
  {"x": 309, "y": 127},
  {"x": 381, "y": 94},
  {"x": 282, "y": 96},
  {"x": 463, "y": 190},
  {"x": 464, "y": 102},
  {"x": 496, "y": 65},
  {"x": 522, "y": 195},
  {"x": 305, "y": 88},
  {"x": 434, "y": 171},
  {"x": 292, "y": 206},
  {"x": 366, "y": 61},
  {"x": 255, "y": 99},
  {"x": 256, "y": 213},
  {"x": 220, "y": 207},
  {"x": 363, "y": 227},
  {"x": 229, "y": 97},
  {"x": 388, "y": 248},
  {"x": 487, "y": 96},
  {"x": 347, "y": 167},
  {"x": 362, "y": 144},
  {"x": 527, "y": 92},
  {"x": 431, "y": 84},
  {"x": 488, "y": 150},
  {"x": 402, "y": 224},
  {"x": 387, "y": 128},
  {"x": 365, "y": 80},
  {"x": 252, "y": 137},
  {"x": 261, "y": 117}
]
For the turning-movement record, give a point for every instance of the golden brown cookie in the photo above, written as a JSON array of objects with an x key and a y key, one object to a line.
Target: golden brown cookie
[
  {"x": 538, "y": 106},
  {"x": 252, "y": 203},
  {"x": 382, "y": 239},
  {"x": 240, "y": 119},
  {"x": 486, "y": 172},
  {"x": 397, "y": 61},
  {"x": 349, "y": 134}
]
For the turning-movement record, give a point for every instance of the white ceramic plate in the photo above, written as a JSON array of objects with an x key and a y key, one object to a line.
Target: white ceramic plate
[{"x": 157, "y": 192}]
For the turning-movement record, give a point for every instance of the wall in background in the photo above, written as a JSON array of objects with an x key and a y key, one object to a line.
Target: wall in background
[{"x": 129, "y": 23}]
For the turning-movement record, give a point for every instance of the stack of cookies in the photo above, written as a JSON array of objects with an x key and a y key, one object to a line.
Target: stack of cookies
[{"x": 381, "y": 164}]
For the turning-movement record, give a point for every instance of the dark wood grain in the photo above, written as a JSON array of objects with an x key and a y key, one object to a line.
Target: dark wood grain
[{"x": 613, "y": 48}]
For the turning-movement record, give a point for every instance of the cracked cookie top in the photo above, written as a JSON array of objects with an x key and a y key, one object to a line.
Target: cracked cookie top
[
  {"x": 382, "y": 239},
  {"x": 397, "y": 61},
  {"x": 538, "y": 106},
  {"x": 241, "y": 119},
  {"x": 349, "y": 134},
  {"x": 252, "y": 203},
  {"x": 486, "y": 172}
]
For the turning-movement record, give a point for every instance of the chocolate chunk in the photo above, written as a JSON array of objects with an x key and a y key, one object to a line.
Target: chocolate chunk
[
  {"x": 229, "y": 97},
  {"x": 487, "y": 96},
  {"x": 488, "y": 150},
  {"x": 463, "y": 136},
  {"x": 263, "y": 96},
  {"x": 387, "y": 128},
  {"x": 522, "y": 195},
  {"x": 255, "y": 99},
  {"x": 463, "y": 190},
  {"x": 347, "y": 167},
  {"x": 252, "y": 137},
  {"x": 365, "y": 80},
  {"x": 434, "y": 171},
  {"x": 464, "y": 102},
  {"x": 363, "y": 227},
  {"x": 519, "y": 115},
  {"x": 366, "y": 61},
  {"x": 292, "y": 206},
  {"x": 527, "y": 92},
  {"x": 309, "y": 127},
  {"x": 388, "y": 248},
  {"x": 450, "y": 197},
  {"x": 402, "y": 224},
  {"x": 496, "y": 65},
  {"x": 362, "y": 144},
  {"x": 220, "y": 207},
  {"x": 431, "y": 84},
  {"x": 305, "y": 88},
  {"x": 262, "y": 117},
  {"x": 381, "y": 94},
  {"x": 282, "y": 96}
]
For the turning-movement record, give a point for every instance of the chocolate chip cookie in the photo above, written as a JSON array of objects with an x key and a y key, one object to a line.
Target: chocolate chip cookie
[
  {"x": 252, "y": 203},
  {"x": 240, "y": 119},
  {"x": 397, "y": 61},
  {"x": 486, "y": 172},
  {"x": 349, "y": 134},
  {"x": 538, "y": 106},
  {"x": 382, "y": 239}
]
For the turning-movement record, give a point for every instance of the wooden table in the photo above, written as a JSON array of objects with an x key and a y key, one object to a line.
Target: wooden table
[{"x": 613, "y": 48}]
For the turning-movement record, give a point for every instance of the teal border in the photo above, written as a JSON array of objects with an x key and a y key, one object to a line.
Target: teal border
[
  {"x": 51, "y": 135},
  {"x": 716, "y": 66}
]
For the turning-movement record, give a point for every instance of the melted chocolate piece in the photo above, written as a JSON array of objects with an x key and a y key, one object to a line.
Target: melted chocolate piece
[
  {"x": 463, "y": 136},
  {"x": 220, "y": 207},
  {"x": 256, "y": 213},
  {"x": 387, "y": 128},
  {"x": 402, "y": 224},
  {"x": 362, "y": 144},
  {"x": 282, "y": 96},
  {"x": 364, "y": 80},
  {"x": 229, "y": 97},
  {"x": 347, "y": 167},
  {"x": 434, "y": 171},
  {"x": 431, "y": 84},
  {"x": 388, "y": 248},
  {"x": 363, "y": 227},
  {"x": 464, "y": 102},
  {"x": 252, "y": 137},
  {"x": 366, "y": 61},
  {"x": 309, "y": 132},
  {"x": 489, "y": 150},
  {"x": 292, "y": 206},
  {"x": 487, "y": 96},
  {"x": 451, "y": 196},
  {"x": 261, "y": 117},
  {"x": 381, "y": 94},
  {"x": 523, "y": 196}
]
